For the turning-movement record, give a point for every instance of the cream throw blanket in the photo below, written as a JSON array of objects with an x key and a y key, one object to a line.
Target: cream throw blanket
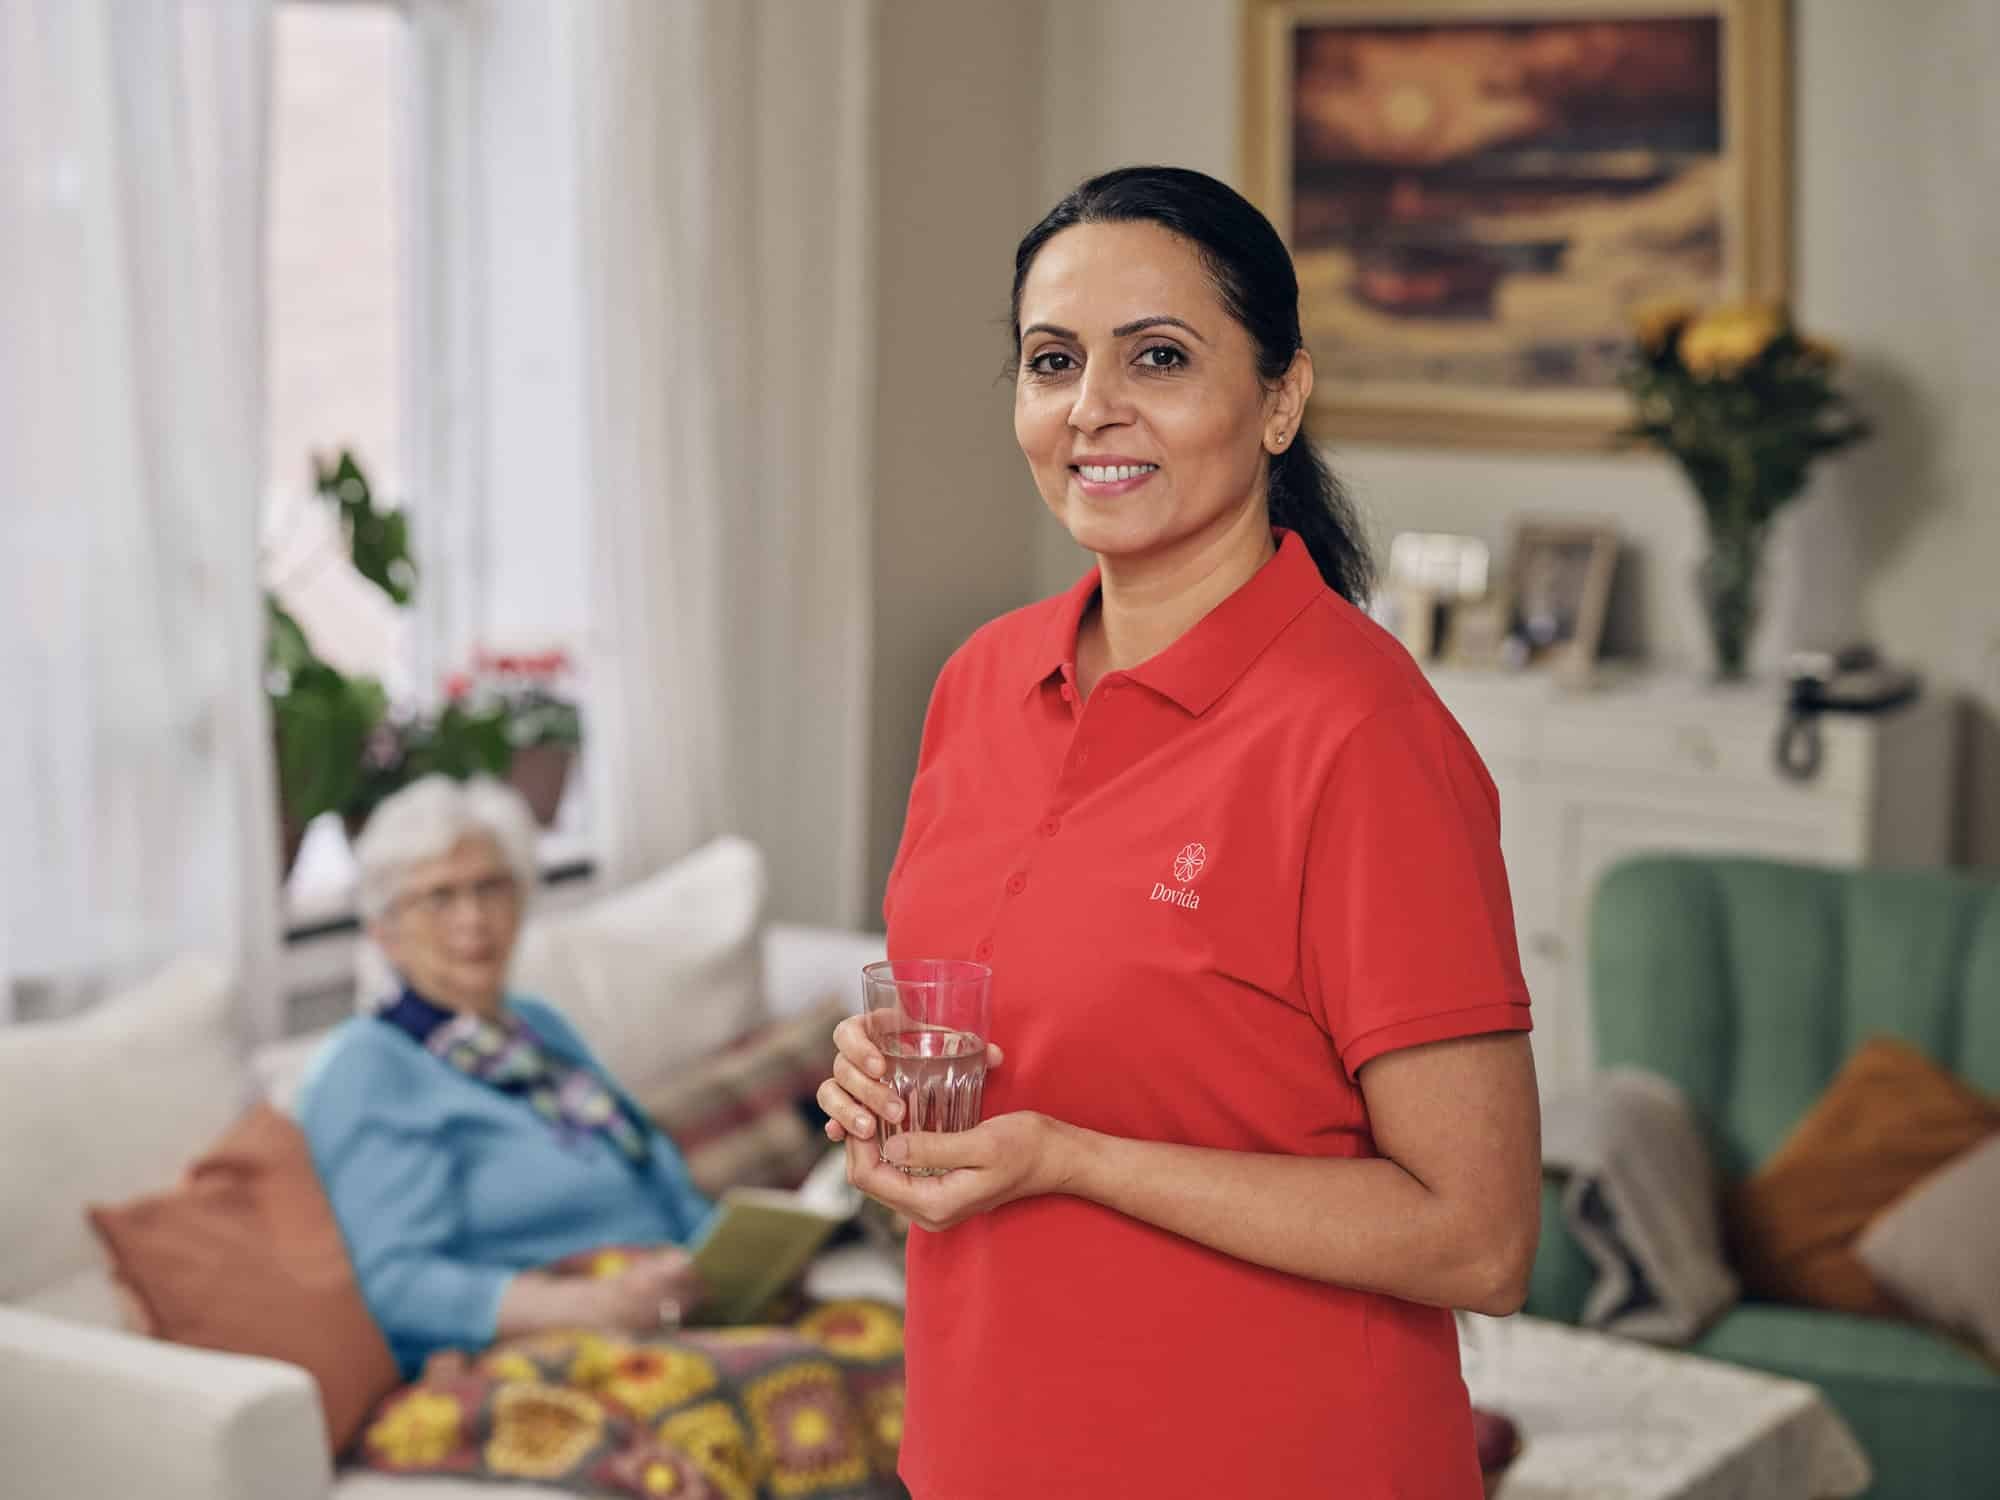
[{"x": 1643, "y": 1199}]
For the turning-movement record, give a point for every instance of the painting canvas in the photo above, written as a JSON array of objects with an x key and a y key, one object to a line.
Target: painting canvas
[{"x": 1479, "y": 195}]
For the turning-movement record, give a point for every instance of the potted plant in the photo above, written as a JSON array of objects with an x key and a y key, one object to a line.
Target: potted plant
[
  {"x": 460, "y": 740},
  {"x": 544, "y": 723},
  {"x": 1744, "y": 403},
  {"x": 322, "y": 720}
]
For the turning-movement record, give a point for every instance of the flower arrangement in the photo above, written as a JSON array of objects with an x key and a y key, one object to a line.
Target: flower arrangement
[
  {"x": 1745, "y": 403},
  {"x": 543, "y": 725}
]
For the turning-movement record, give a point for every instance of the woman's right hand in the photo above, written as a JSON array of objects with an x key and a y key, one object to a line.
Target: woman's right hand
[
  {"x": 655, "y": 1291},
  {"x": 857, "y": 1094}
]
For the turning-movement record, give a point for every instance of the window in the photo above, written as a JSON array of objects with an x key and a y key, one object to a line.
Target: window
[{"x": 336, "y": 265}]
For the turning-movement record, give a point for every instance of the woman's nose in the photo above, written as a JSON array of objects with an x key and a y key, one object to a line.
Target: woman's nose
[{"x": 1100, "y": 399}]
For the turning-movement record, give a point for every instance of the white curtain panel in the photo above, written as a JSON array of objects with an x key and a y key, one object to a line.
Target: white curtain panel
[
  {"x": 137, "y": 809},
  {"x": 723, "y": 196}
]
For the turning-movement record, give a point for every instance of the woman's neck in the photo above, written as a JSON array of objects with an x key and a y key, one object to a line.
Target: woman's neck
[{"x": 1146, "y": 604}]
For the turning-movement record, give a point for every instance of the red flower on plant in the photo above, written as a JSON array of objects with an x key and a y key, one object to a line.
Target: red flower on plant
[{"x": 457, "y": 687}]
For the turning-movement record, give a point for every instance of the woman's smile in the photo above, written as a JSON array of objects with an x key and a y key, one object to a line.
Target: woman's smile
[{"x": 1104, "y": 478}]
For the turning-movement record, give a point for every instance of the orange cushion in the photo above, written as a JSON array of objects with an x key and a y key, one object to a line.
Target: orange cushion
[
  {"x": 243, "y": 1255},
  {"x": 1889, "y": 1119}
]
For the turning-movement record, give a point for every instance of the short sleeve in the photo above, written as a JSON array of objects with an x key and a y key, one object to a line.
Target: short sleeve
[
  {"x": 918, "y": 811},
  {"x": 1407, "y": 928}
]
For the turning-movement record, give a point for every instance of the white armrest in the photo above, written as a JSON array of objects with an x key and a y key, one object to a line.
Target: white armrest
[
  {"x": 805, "y": 965},
  {"x": 87, "y": 1412}
]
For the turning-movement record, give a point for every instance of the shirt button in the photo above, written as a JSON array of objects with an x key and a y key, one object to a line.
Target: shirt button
[
  {"x": 1051, "y": 826},
  {"x": 983, "y": 951},
  {"x": 1016, "y": 883},
  {"x": 1069, "y": 693}
]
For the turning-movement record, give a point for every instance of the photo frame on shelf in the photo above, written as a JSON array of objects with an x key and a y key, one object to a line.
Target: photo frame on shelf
[
  {"x": 1480, "y": 194},
  {"x": 1557, "y": 592}
]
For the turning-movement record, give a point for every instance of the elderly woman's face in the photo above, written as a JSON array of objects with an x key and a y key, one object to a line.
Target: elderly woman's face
[
  {"x": 450, "y": 931},
  {"x": 1138, "y": 402}
]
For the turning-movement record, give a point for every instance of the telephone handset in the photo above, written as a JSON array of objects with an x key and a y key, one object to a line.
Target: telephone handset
[{"x": 1853, "y": 680}]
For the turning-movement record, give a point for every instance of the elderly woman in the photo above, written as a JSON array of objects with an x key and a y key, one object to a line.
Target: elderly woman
[{"x": 466, "y": 1136}]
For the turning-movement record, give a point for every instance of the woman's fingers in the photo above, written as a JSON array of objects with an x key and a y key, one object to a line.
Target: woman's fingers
[
  {"x": 851, "y": 1037},
  {"x": 842, "y": 1113},
  {"x": 994, "y": 1056},
  {"x": 868, "y": 1093}
]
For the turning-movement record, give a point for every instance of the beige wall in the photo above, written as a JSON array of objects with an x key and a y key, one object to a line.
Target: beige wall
[
  {"x": 1898, "y": 209},
  {"x": 957, "y": 132}
]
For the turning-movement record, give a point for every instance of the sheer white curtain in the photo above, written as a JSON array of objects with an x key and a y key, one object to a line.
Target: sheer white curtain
[
  {"x": 723, "y": 198},
  {"x": 136, "y": 804}
]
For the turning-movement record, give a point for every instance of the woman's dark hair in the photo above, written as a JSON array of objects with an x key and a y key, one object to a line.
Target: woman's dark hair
[{"x": 1252, "y": 272}]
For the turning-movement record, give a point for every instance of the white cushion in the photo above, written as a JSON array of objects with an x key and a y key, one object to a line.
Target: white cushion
[
  {"x": 110, "y": 1104},
  {"x": 656, "y": 975},
  {"x": 280, "y": 1068},
  {"x": 661, "y": 973}
]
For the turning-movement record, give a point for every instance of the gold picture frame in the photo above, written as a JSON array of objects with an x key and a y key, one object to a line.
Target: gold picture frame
[{"x": 1479, "y": 192}]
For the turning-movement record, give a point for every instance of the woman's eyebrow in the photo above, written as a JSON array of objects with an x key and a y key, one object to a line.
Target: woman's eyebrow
[{"x": 1123, "y": 330}]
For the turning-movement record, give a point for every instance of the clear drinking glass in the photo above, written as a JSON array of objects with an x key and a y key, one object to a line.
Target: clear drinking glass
[{"x": 930, "y": 1017}]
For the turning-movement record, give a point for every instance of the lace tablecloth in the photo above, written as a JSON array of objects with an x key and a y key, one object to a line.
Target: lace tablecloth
[{"x": 1608, "y": 1419}]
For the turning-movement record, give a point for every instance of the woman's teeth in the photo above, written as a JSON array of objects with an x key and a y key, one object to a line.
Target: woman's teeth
[{"x": 1098, "y": 474}]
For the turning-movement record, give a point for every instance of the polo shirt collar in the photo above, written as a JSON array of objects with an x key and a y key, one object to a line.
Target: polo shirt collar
[{"x": 1205, "y": 662}]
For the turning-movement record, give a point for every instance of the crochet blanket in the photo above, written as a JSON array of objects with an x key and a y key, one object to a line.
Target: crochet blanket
[{"x": 812, "y": 1408}]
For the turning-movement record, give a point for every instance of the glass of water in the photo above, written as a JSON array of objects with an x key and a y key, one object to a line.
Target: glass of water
[{"x": 931, "y": 1019}]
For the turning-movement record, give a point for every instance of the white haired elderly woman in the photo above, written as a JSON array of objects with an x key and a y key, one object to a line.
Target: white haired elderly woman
[{"x": 466, "y": 1136}]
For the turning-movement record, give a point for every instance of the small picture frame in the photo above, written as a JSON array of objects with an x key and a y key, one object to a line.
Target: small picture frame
[{"x": 1558, "y": 588}]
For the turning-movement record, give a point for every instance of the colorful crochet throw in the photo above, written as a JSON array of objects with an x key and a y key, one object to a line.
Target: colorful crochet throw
[{"x": 812, "y": 1410}]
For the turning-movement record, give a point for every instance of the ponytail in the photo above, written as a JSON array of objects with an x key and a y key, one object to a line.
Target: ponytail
[{"x": 1305, "y": 497}]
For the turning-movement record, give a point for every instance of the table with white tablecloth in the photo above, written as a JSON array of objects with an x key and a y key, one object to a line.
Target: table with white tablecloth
[{"x": 1605, "y": 1418}]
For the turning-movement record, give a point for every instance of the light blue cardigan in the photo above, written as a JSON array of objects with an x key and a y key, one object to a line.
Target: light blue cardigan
[{"x": 445, "y": 1188}]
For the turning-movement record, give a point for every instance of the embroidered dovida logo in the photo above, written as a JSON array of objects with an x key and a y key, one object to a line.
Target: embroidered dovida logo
[{"x": 1187, "y": 865}]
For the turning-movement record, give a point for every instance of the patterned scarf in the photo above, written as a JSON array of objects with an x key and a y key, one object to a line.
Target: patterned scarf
[{"x": 507, "y": 1055}]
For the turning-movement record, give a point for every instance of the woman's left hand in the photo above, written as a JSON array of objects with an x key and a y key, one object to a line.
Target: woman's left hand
[{"x": 1010, "y": 1156}]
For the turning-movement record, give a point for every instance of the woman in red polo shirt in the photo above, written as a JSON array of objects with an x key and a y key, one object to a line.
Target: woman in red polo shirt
[{"x": 1267, "y": 1111}]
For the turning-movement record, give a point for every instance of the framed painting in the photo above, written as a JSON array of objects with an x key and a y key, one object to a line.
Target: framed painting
[{"x": 1479, "y": 193}]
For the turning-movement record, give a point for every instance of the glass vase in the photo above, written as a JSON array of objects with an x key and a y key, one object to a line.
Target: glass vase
[{"x": 1728, "y": 580}]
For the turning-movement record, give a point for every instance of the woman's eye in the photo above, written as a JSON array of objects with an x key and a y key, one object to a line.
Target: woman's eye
[
  {"x": 1162, "y": 357},
  {"x": 1051, "y": 362}
]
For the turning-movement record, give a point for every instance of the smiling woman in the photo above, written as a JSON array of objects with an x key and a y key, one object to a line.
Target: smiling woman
[{"x": 1266, "y": 1111}]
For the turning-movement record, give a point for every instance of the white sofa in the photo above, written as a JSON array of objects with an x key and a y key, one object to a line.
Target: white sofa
[{"x": 114, "y": 1103}]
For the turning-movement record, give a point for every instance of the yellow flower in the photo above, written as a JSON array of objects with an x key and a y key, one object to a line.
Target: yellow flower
[
  {"x": 420, "y": 1429},
  {"x": 883, "y": 1417},
  {"x": 597, "y": 1357},
  {"x": 1656, "y": 322},
  {"x": 609, "y": 1263},
  {"x": 648, "y": 1381},
  {"x": 509, "y": 1364},
  {"x": 1726, "y": 338},
  {"x": 542, "y": 1431},
  {"x": 660, "y": 1479},
  {"x": 711, "y": 1435},
  {"x": 857, "y": 1330}
]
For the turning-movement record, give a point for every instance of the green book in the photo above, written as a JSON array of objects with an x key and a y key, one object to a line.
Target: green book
[{"x": 761, "y": 1239}]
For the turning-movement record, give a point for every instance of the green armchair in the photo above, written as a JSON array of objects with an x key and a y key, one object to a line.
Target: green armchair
[{"x": 1748, "y": 983}]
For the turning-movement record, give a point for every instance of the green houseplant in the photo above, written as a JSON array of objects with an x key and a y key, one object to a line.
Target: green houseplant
[{"x": 1745, "y": 404}]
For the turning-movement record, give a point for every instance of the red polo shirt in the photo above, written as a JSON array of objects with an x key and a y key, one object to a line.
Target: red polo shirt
[{"x": 1209, "y": 896}]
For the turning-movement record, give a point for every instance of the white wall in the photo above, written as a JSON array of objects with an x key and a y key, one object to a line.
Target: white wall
[
  {"x": 957, "y": 137},
  {"x": 1898, "y": 204}
]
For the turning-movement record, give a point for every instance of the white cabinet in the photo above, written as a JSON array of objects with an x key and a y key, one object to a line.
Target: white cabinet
[{"x": 1650, "y": 762}]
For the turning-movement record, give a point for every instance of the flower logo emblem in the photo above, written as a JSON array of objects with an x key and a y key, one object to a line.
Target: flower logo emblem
[{"x": 1188, "y": 863}]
